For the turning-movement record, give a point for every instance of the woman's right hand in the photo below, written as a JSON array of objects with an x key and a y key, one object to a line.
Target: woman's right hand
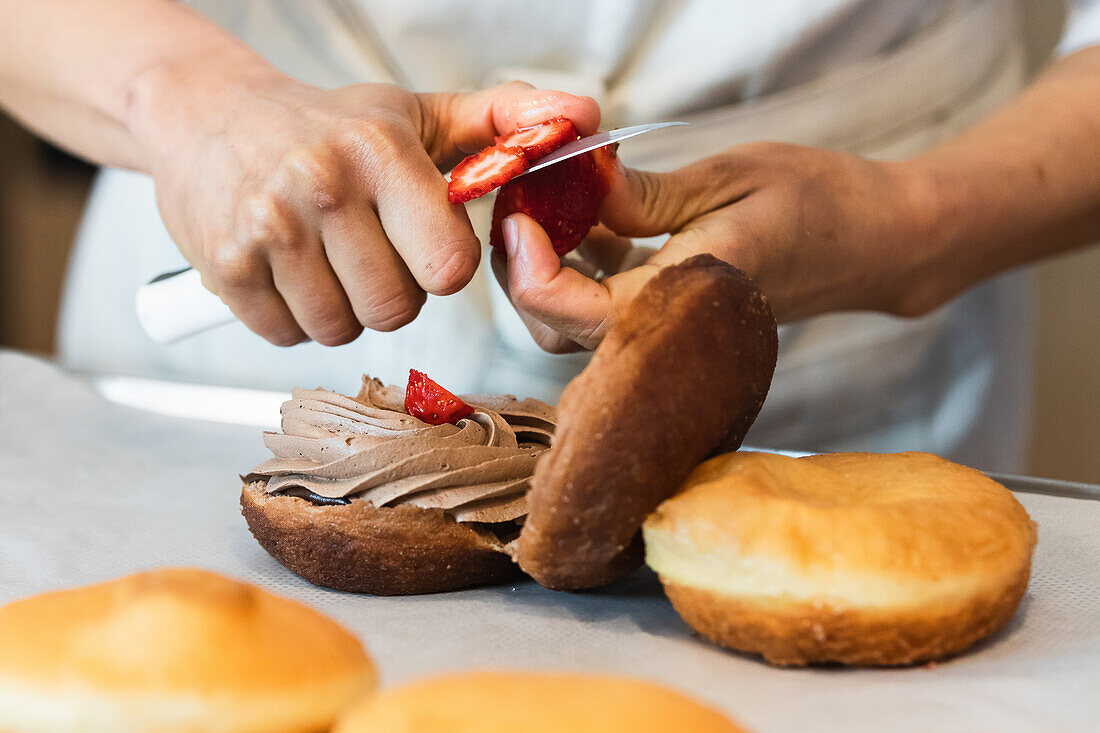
[{"x": 316, "y": 213}]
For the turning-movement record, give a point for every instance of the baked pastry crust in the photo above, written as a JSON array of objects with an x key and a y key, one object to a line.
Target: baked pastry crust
[
  {"x": 863, "y": 559},
  {"x": 176, "y": 649},
  {"x": 361, "y": 548},
  {"x": 476, "y": 702},
  {"x": 667, "y": 387},
  {"x": 800, "y": 634}
]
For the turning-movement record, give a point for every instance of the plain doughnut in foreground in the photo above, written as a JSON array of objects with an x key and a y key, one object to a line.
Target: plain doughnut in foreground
[
  {"x": 174, "y": 651},
  {"x": 504, "y": 702},
  {"x": 857, "y": 558}
]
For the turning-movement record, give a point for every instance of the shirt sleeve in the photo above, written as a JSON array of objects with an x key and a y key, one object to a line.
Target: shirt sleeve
[{"x": 1082, "y": 26}]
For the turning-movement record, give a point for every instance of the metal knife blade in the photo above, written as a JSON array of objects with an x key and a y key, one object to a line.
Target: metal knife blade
[{"x": 595, "y": 141}]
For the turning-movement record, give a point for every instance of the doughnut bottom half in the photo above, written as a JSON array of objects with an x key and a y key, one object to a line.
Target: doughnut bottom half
[
  {"x": 361, "y": 548},
  {"x": 802, "y": 633}
]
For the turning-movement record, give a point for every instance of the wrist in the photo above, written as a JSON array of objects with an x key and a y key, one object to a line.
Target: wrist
[
  {"x": 920, "y": 278},
  {"x": 176, "y": 100}
]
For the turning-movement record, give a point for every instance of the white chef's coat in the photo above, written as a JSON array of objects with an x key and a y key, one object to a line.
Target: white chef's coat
[{"x": 882, "y": 78}]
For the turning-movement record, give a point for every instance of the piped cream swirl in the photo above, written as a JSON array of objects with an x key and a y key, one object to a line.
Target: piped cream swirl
[{"x": 339, "y": 448}]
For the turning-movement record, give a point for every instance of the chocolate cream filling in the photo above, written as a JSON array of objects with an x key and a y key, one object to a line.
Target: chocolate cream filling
[{"x": 335, "y": 449}]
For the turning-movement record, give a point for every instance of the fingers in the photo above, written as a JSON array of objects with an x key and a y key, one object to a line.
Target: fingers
[
  {"x": 560, "y": 297},
  {"x": 645, "y": 204},
  {"x": 571, "y": 305},
  {"x": 314, "y": 295},
  {"x": 383, "y": 293},
  {"x": 547, "y": 338},
  {"x": 290, "y": 273},
  {"x": 458, "y": 124},
  {"x": 246, "y": 286},
  {"x": 433, "y": 237},
  {"x": 271, "y": 228}
]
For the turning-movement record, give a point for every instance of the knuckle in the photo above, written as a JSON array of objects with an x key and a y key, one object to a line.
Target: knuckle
[
  {"x": 647, "y": 189},
  {"x": 381, "y": 138},
  {"x": 451, "y": 266},
  {"x": 268, "y": 221},
  {"x": 319, "y": 173},
  {"x": 525, "y": 295},
  {"x": 233, "y": 266},
  {"x": 274, "y": 325},
  {"x": 391, "y": 312},
  {"x": 337, "y": 332},
  {"x": 285, "y": 337},
  {"x": 714, "y": 181}
]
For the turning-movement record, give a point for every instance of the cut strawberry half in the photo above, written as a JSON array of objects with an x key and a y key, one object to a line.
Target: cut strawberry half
[
  {"x": 539, "y": 141},
  {"x": 427, "y": 401},
  {"x": 563, "y": 198}
]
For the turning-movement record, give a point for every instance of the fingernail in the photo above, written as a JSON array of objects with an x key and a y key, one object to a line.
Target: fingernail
[{"x": 510, "y": 230}]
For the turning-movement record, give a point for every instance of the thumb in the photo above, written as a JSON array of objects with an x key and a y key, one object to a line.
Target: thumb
[
  {"x": 645, "y": 204},
  {"x": 577, "y": 307},
  {"x": 456, "y": 124}
]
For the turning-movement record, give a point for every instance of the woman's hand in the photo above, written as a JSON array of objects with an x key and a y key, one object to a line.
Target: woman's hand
[
  {"x": 314, "y": 213},
  {"x": 819, "y": 230}
]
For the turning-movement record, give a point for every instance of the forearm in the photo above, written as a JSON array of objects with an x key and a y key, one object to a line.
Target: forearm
[
  {"x": 78, "y": 71},
  {"x": 1021, "y": 185}
]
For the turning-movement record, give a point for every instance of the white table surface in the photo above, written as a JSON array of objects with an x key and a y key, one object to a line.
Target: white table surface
[{"x": 91, "y": 490}]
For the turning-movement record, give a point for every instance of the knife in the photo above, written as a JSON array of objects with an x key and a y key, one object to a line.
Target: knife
[{"x": 175, "y": 305}]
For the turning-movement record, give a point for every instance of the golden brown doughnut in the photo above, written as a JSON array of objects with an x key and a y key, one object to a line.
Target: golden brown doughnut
[
  {"x": 174, "y": 651},
  {"x": 503, "y": 702},
  {"x": 361, "y": 548},
  {"x": 857, "y": 558},
  {"x": 681, "y": 375}
]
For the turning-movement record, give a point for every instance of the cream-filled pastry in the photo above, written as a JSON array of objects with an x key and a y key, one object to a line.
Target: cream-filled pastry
[{"x": 360, "y": 495}]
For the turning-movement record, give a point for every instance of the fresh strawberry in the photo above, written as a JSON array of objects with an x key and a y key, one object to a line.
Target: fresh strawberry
[
  {"x": 494, "y": 166},
  {"x": 539, "y": 141},
  {"x": 427, "y": 401},
  {"x": 479, "y": 174},
  {"x": 563, "y": 198}
]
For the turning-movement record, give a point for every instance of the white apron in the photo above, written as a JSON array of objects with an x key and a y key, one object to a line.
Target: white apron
[{"x": 955, "y": 382}]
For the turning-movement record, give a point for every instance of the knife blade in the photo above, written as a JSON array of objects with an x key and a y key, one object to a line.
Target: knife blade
[{"x": 592, "y": 142}]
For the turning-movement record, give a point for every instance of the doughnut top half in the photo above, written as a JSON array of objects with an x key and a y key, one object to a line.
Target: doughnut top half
[{"x": 873, "y": 529}]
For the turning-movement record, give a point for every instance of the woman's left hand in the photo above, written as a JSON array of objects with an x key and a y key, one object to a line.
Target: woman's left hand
[{"x": 819, "y": 231}]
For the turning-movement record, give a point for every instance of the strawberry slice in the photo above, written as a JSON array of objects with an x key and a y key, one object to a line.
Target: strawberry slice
[
  {"x": 427, "y": 401},
  {"x": 563, "y": 198},
  {"x": 494, "y": 166},
  {"x": 479, "y": 174},
  {"x": 538, "y": 141}
]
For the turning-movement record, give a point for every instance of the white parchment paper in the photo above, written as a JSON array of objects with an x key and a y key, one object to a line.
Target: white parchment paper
[{"x": 90, "y": 490}]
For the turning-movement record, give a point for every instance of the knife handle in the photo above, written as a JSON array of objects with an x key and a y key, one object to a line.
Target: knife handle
[{"x": 175, "y": 305}]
